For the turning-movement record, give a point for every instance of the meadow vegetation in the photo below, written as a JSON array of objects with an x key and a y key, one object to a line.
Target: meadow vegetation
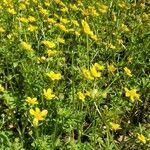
[{"x": 74, "y": 75}]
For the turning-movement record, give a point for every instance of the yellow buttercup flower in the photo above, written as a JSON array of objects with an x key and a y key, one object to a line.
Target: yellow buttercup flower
[
  {"x": 32, "y": 28},
  {"x": 38, "y": 115},
  {"x": 2, "y": 30},
  {"x": 81, "y": 96},
  {"x": 110, "y": 45},
  {"x": 54, "y": 76},
  {"x": 103, "y": 8},
  {"x": 94, "y": 72},
  {"x": 111, "y": 68},
  {"x": 26, "y": 46},
  {"x": 60, "y": 40},
  {"x": 77, "y": 33},
  {"x": 93, "y": 11},
  {"x": 32, "y": 101},
  {"x": 115, "y": 126},
  {"x": 75, "y": 22},
  {"x": 51, "y": 20},
  {"x": 142, "y": 138},
  {"x": 94, "y": 37},
  {"x": 61, "y": 27},
  {"x": 31, "y": 19},
  {"x": 64, "y": 20},
  {"x": 52, "y": 53},
  {"x": 98, "y": 67},
  {"x": 73, "y": 7},
  {"x": 11, "y": 11},
  {"x": 47, "y": 4},
  {"x": 87, "y": 74},
  {"x": 48, "y": 94},
  {"x": 86, "y": 27},
  {"x": 124, "y": 28},
  {"x": 64, "y": 9},
  {"x": 49, "y": 44},
  {"x": 41, "y": 59},
  {"x": 1, "y": 88},
  {"x": 127, "y": 71},
  {"x": 43, "y": 11},
  {"x": 22, "y": 6},
  {"x": 23, "y": 19},
  {"x": 132, "y": 94},
  {"x": 122, "y": 5}
]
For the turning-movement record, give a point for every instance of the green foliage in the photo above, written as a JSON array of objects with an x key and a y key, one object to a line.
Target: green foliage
[{"x": 74, "y": 75}]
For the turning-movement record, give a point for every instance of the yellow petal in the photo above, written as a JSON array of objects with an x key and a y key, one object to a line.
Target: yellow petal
[
  {"x": 44, "y": 112},
  {"x": 35, "y": 122},
  {"x": 37, "y": 110},
  {"x": 32, "y": 112}
]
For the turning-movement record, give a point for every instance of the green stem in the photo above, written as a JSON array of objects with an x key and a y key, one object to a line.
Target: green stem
[{"x": 87, "y": 47}]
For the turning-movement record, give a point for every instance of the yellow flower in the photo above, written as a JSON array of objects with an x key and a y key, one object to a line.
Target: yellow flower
[
  {"x": 1, "y": 88},
  {"x": 61, "y": 40},
  {"x": 98, "y": 66},
  {"x": 64, "y": 9},
  {"x": 61, "y": 27},
  {"x": 111, "y": 68},
  {"x": 94, "y": 72},
  {"x": 22, "y": 6},
  {"x": 32, "y": 101},
  {"x": 11, "y": 11},
  {"x": 38, "y": 115},
  {"x": 60, "y": 3},
  {"x": 75, "y": 22},
  {"x": 87, "y": 74},
  {"x": 41, "y": 59},
  {"x": 86, "y": 28},
  {"x": 32, "y": 28},
  {"x": 94, "y": 93},
  {"x": 73, "y": 7},
  {"x": 124, "y": 28},
  {"x": 31, "y": 19},
  {"x": 54, "y": 76},
  {"x": 93, "y": 11},
  {"x": 49, "y": 94},
  {"x": 2, "y": 30},
  {"x": 142, "y": 138},
  {"x": 94, "y": 37},
  {"x": 64, "y": 20},
  {"x": 77, "y": 33},
  {"x": 52, "y": 53},
  {"x": 49, "y": 44},
  {"x": 145, "y": 16},
  {"x": 110, "y": 45},
  {"x": 43, "y": 11},
  {"x": 103, "y": 8},
  {"x": 132, "y": 94},
  {"x": 26, "y": 46},
  {"x": 127, "y": 71},
  {"x": 51, "y": 20},
  {"x": 23, "y": 19},
  {"x": 115, "y": 126},
  {"x": 122, "y": 5},
  {"x": 47, "y": 4},
  {"x": 81, "y": 96}
]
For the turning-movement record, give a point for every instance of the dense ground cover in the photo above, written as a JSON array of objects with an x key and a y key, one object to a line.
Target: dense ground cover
[{"x": 74, "y": 74}]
